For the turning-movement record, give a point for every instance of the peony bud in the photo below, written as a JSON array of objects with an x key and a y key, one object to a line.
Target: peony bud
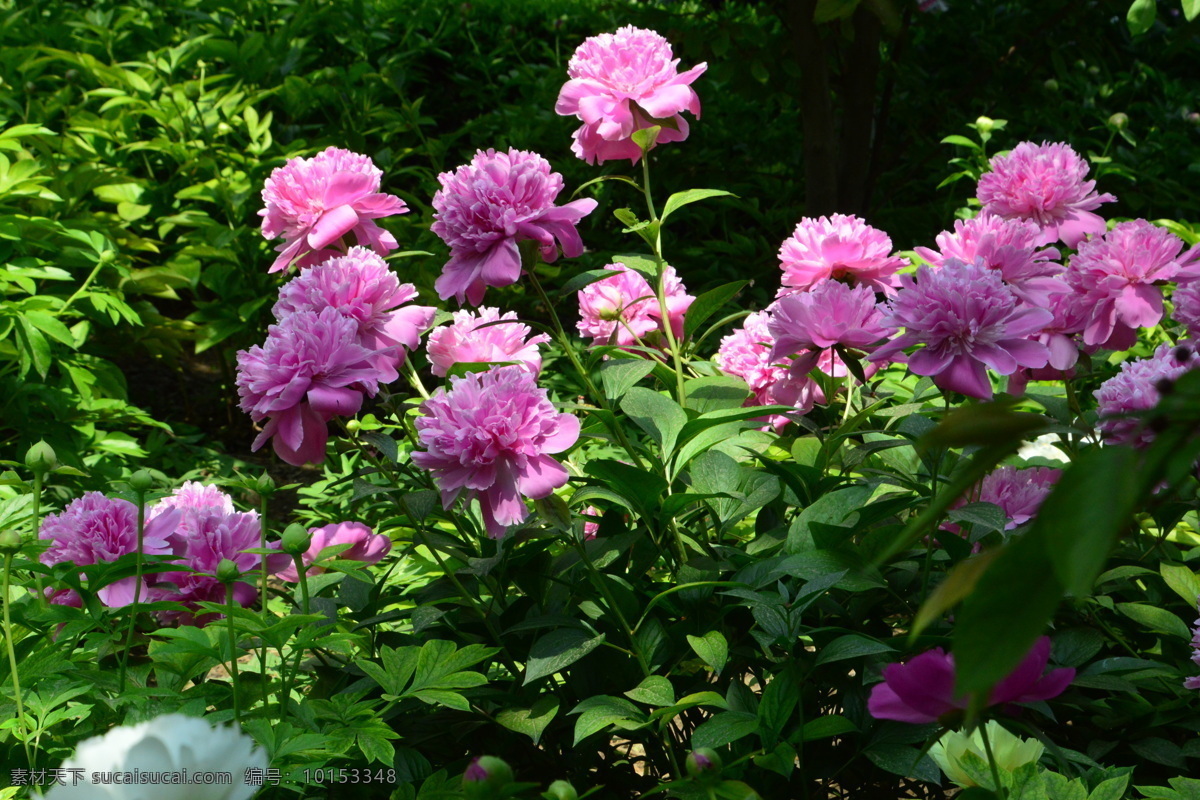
[
  {"x": 561, "y": 790},
  {"x": 141, "y": 481},
  {"x": 485, "y": 774},
  {"x": 265, "y": 485},
  {"x": 1051, "y": 85},
  {"x": 985, "y": 124},
  {"x": 296, "y": 539},
  {"x": 10, "y": 541},
  {"x": 227, "y": 571},
  {"x": 1118, "y": 121},
  {"x": 703, "y": 761},
  {"x": 41, "y": 457}
]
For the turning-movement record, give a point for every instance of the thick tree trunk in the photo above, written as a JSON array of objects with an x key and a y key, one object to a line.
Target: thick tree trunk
[
  {"x": 858, "y": 92},
  {"x": 816, "y": 104}
]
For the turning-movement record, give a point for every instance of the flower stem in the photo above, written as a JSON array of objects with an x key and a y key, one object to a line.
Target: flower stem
[
  {"x": 987, "y": 748},
  {"x": 233, "y": 658},
  {"x": 12, "y": 662},
  {"x": 38, "y": 477},
  {"x": 263, "y": 528},
  {"x": 137, "y": 587},
  {"x": 660, "y": 283}
]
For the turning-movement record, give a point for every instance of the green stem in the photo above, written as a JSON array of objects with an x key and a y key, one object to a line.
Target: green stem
[
  {"x": 415, "y": 379},
  {"x": 83, "y": 287},
  {"x": 598, "y": 578},
  {"x": 137, "y": 587},
  {"x": 233, "y": 657},
  {"x": 660, "y": 287},
  {"x": 266, "y": 613},
  {"x": 12, "y": 662},
  {"x": 38, "y": 476},
  {"x": 987, "y": 748}
]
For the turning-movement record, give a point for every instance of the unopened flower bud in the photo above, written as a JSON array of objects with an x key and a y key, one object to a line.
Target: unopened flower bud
[
  {"x": 10, "y": 541},
  {"x": 265, "y": 485},
  {"x": 561, "y": 790},
  {"x": 71, "y": 75},
  {"x": 107, "y": 256},
  {"x": 1093, "y": 71},
  {"x": 295, "y": 539},
  {"x": 703, "y": 761},
  {"x": 486, "y": 773},
  {"x": 1194, "y": 117},
  {"x": 985, "y": 124},
  {"x": 227, "y": 571},
  {"x": 41, "y": 457},
  {"x": 353, "y": 426},
  {"x": 1051, "y": 85},
  {"x": 192, "y": 92},
  {"x": 141, "y": 481},
  {"x": 1118, "y": 121}
]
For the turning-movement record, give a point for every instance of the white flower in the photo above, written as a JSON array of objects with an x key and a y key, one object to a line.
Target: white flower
[
  {"x": 1043, "y": 447},
  {"x": 1011, "y": 752},
  {"x": 172, "y": 757}
]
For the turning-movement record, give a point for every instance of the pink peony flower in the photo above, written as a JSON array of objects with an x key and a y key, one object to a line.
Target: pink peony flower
[
  {"x": 922, "y": 690},
  {"x": 360, "y": 287},
  {"x": 1018, "y": 492},
  {"x": 465, "y": 341},
  {"x": 311, "y": 369},
  {"x": 623, "y": 308},
  {"x": 1059, "y": 336},
  {"x": 491, "y": 436},
  {"x": 837, "y": 247},
  {"x": 484, "y": 208},
  {"x": 1135, "y": 388},
  {"x": 1044, "y": 184},
  {"x": 366, "y": 546},
  {"x": 746, "y": 353},
  {"x": 967, "y": 320},
  {"x": 193, "y": 499},
  {"x": 831, "y": 314},
  {"x": 1194, "y": 681},
  {"x": 95, "y": 529},
  {"x": 591, "y": 522},
  {"x": 625, "y": 82},
  {"x": 1008, "y": 246},
  {"x": 1186, "y": 302},
  {"x": 1115, "y": 275},
  {"x": 313, "y": 202}
]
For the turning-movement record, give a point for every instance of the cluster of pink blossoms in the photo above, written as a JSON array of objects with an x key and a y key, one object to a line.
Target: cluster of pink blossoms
[
  {"x": 747, "y": 353},
  {"x": 1136, "y": 388},
  {"x": 623, "y": 308}
]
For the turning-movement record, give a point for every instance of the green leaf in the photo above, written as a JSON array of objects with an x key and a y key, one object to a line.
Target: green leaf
[
  {"x": 715, "y": 394},
  {"x": 1155, "y": 619},
  {"x": 383, "y": 443},
  {"x": 34, "y": 346},
  {"x": 638, "y": 486},
  {"x": 50, "y": 326},
  {"x": 708, "y": 303},
  {"x": 587, "y": 278},
  {"x": 1141, "y": 16},
  {"x": 962, "y": 141},
  {"x": 656, "y": 414},
  {"x": 778, "y": 701},
  {"x": 597, "y": 713},
  {"x": 957, "y": 584},
  {"x": 680, "y": 199},
  {"x": 830, "y": 10},
  {"x": 530, "y": 721},
  {"x": 1183, "y": 581},
  {"x": 646, "y": 138},
  {"x": 619, "y": 375},
  {"x": 712, "y": 648},
  {"x": 724, "y": 728},
  {"x": 558, "y": 650},
  {"x": 654, "y": 690},
  {"x": 905, "y": 761},
  {"x": 1191, "y": 9},
  {"x": 824, "y": 727},
  {"x": 851, "y": 646}
]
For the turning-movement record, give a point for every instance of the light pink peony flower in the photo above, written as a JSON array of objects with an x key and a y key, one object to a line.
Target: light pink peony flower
[
  {"x": 366, "y": 546},
  {"x": 922, "y": 690},
  {"x": 1008, "y": 246},
  {"x": 1135, "y": 388},
  {"x": 623, "y": 308},
  {"x": 625, "y": 82},
  {"x": 1186, "y": 302},
  {"x": 359, "y": 286},
  {"x": 311, "y": 369},
  {"x": 591, "y": 522},
  {"x": 837, "y": 247},
  {"x": 1018, "y": 492},
  {"x": 491, "y": 436},
  {"x": 95, "y": 529},
  {"x": 1044, "y": 184},
  {"x": 746, "y": 353},
  {"x": 1116, "y": 276},
  {"x": 1059, "y": 336},
  {"x": 967, "y": 320},
  {"x": 193, "y": 499},
  {"x": 464, "y": 341},
  {"x": 313, "y": 202},
  {"x": 815, "y": 321},
  {"x": 484, "y": 208}
]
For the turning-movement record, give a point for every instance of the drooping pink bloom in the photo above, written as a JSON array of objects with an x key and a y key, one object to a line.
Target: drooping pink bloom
[
  {"x": 921, "y": 690},
  {"x": 1194, "y": 681},
  {"x": 1186, "y": 302},
  {"x": 486, "y": 207},
  {"x": 311, "y": 369},
  {"x": 967, "y": 321},
  {"x": 1135, "y": 388},
  {"x": 470, "y": 338},
  {"x": 1116, "y": 276},
  {"x": 625, "y": 82},
  {"x": 491, "y": 436},
  {"x": 623, "y": 308},
  {"x": 1045, "y": 184},
  {"x": 1060, "y": 338},
  {"x": 1018, "y": 492},
  {"x": 313, "y": 202},
  {"x": 360, "y": 287},
  {"x": 746, "y": 353},
  {"x": 95, "y": 529},
  {"x": 365, "y": 546},
  {"x": 837, "y": 247},
  {"x": 1008, "y": 246},
  {"x": 832, "y": 313}
]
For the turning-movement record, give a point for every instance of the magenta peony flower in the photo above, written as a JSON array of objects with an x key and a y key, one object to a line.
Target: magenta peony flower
[
  {"x": 95, "y": 529},
  {"x": 366, "y": 546},
  {"x": 623, "y": 308},
  {"x": 1059, "y": 336},
  {"x": 1194, "y": 681},
  {"x": 922, "y": 690},
  {"x": 831, "y": 314},
  {"x": 746, "y": 353},
  {"x": 1008, "y": 246},
  {"x": 464, "y": 341},
  {"x": 1135, "y": 388},
  {"x": 625, "y": 82},
  {"x": 1018, "y": 492},
  {"x": 313, "y": 202},
  {"x": 193, "y": 499},
  {"x": 311, "y": 369},
  {"x": 360, "y": 287},
  {"x": 1186, "y": 302},
  {"x": 1115, "y": 275},
  {"x": 484, "y": 208},
  {"x": 1044, "y": 184},
  {"x": 490, "y": 436},
  {"x": 967, "y": 320},
  {"x": 837, "y": 247}
]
